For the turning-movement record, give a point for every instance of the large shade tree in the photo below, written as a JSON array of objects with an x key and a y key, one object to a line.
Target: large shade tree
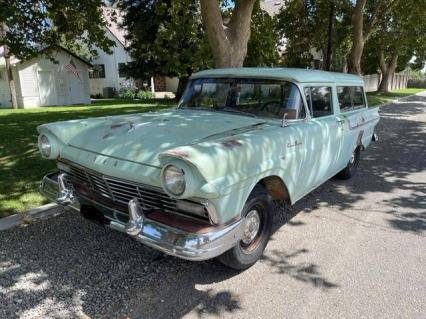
[
  {"x": 262, "y": 47},
  {"x": 399, "y": 37},
  {"x": 320, "y": 25},
  {"x": 367, "y": 16},
  {"x": 28, "y": 26},
  {"x": 165, "y": 37},
  {"x": 228, "y": 37}
]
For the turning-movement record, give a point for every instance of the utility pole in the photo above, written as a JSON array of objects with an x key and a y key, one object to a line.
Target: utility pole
[{"x": 9, "y": 73}]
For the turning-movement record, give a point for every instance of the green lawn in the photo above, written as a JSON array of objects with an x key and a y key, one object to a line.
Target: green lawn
[
  {"x": 21, "y": 167},
  {"x": 376, "y": 98}
]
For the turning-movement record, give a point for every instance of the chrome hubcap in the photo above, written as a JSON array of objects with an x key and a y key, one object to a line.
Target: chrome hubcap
[{"x": 252, "y": 227}]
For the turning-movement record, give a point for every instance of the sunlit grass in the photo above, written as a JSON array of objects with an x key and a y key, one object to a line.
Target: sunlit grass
[
  {"x": 21, "y": 167},
  {"x": 377, "y": 98}
]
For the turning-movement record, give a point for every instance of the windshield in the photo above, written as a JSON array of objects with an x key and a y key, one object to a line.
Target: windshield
[{"x": 252, "y": 97}]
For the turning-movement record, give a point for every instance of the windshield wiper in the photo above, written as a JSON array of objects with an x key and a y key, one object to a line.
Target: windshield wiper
[{"x": 235, "y": 111}]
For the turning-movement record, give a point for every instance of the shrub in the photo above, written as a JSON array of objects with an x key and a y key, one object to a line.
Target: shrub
[
  {"x": 127, "y": 93},
  {"x": 144, "y": 95},
  {"x": 132, "y": 93}
]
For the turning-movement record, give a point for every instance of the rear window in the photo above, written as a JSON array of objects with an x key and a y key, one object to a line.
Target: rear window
[{"x": 350, "y": 98}]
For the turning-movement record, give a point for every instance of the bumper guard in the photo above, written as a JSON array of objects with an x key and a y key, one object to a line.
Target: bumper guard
[{"x": 170, "y": 240}]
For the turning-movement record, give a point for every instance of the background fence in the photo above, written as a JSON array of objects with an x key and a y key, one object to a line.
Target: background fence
[
  {"x": 372, "y": 82},
  {"x": 419, "y": 84}
]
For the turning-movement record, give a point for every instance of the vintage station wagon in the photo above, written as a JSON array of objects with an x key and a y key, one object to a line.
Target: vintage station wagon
[{"x": 198, "y": 181}]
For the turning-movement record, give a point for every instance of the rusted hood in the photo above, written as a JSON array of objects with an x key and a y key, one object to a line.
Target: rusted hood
[{"x": 141, "y": 137}]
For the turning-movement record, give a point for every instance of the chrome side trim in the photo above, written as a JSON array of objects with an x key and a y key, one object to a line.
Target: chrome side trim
[{"x": 361, "y": 124}]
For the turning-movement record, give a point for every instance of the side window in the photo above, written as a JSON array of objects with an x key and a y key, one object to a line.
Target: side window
[
  {"x": 122, "y": 70},
  {"x": 292, "y": 102},
  {"x": 350, "y": 98},
  {"x": 358, "y": 97},
  {"x": 319, "y": 100}
]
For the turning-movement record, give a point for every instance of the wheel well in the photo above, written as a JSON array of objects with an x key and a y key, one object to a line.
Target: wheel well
[{"x": 276, "y": 188}]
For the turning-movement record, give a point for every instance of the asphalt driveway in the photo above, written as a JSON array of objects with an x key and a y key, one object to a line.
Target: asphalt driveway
[{"x": 351, "y": 249}]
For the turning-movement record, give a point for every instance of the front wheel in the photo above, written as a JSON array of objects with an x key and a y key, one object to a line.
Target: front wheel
[
  {"x": 257, "y": 231},
  {"x": 352, "y": 166}
]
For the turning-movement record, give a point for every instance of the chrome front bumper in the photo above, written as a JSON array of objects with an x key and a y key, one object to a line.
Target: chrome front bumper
[{"x": 170, "y": 240}]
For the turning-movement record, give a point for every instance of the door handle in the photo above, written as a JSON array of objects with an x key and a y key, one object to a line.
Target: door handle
[{"x": 340, "y": 121}]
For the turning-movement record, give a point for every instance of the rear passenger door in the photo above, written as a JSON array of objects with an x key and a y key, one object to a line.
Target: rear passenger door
[
  {"x": 352, "y": 110},
  {"x": 325, "y": 133}
]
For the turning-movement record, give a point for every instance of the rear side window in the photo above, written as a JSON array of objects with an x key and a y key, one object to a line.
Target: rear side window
[
  {"x": 350, "y": 98},
  {"x": 319, "y": 100}
]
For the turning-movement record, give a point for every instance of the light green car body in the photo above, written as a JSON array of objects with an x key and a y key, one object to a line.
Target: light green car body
[{"x": 223, "y": 155}]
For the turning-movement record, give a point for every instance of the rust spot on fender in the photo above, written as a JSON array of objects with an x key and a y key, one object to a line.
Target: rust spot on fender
[
  {"x": 232, "y": 143},
  {"x": 179, "y": 154},
  {"x": 117, "y": 125}
]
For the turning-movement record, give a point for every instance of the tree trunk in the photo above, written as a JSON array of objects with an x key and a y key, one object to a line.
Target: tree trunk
[
  {"x": 388, "y": 70},
  {"x": 10, "y": 80},
  {"x": 9, "y": 73},
  {"x": 328, "y": 57},
  {"x": 228, "y": 42},
  {"x": 358, "y": 40},
  {"x": 361, "y": 33}
]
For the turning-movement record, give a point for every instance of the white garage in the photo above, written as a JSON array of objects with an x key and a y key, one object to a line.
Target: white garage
[{"x": 43, "y": 82}]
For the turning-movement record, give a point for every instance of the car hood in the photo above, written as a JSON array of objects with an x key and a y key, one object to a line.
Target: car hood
[{"x": 141, "y": 137}]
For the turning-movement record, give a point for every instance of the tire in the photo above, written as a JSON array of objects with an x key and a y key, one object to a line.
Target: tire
[
  {"x": 249, "y": 250},
  {"x": 352, "y": 167}
]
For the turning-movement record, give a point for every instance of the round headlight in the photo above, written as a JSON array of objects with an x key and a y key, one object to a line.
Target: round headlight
[
  {"x": 45, "y": 146},
  {"x": 174, "y": 180}
]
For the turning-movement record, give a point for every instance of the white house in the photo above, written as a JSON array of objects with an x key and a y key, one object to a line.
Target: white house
[
  {"x": 43, "y": 82},
  {"x": 107, "y": 71}
]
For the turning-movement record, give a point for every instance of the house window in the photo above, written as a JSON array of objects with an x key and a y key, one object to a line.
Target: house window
[
  {"x": 97, "y": 72},
  {"x": 350, "y": 98},
  {"x": 122, "y": 70}
]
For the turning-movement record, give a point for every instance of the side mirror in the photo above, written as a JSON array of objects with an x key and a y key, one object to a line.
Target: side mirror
[{"x": 284, "y": 122}]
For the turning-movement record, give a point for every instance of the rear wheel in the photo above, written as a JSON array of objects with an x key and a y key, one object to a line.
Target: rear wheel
[
  {"x": 352, "y": 167},
  {"x": 257, "y": 231}
]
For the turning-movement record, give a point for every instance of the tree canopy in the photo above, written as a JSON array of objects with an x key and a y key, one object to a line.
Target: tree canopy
[
  {"x": 305, "y": 26},
  {"x": 165, "y": 37},
  {"x": 33, "y": 25}
]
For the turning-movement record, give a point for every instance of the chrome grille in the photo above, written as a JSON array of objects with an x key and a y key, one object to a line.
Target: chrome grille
[{"x": 121, "y": 192}]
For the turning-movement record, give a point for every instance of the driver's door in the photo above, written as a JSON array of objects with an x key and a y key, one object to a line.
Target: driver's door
[{"x": 322, "y": 136}]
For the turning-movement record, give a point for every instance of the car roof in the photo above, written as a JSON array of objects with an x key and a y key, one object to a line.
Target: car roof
[{"x": 291, "y": 74}]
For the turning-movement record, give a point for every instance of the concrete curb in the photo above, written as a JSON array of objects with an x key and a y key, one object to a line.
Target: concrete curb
[{"x": 30, "y": 216}]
